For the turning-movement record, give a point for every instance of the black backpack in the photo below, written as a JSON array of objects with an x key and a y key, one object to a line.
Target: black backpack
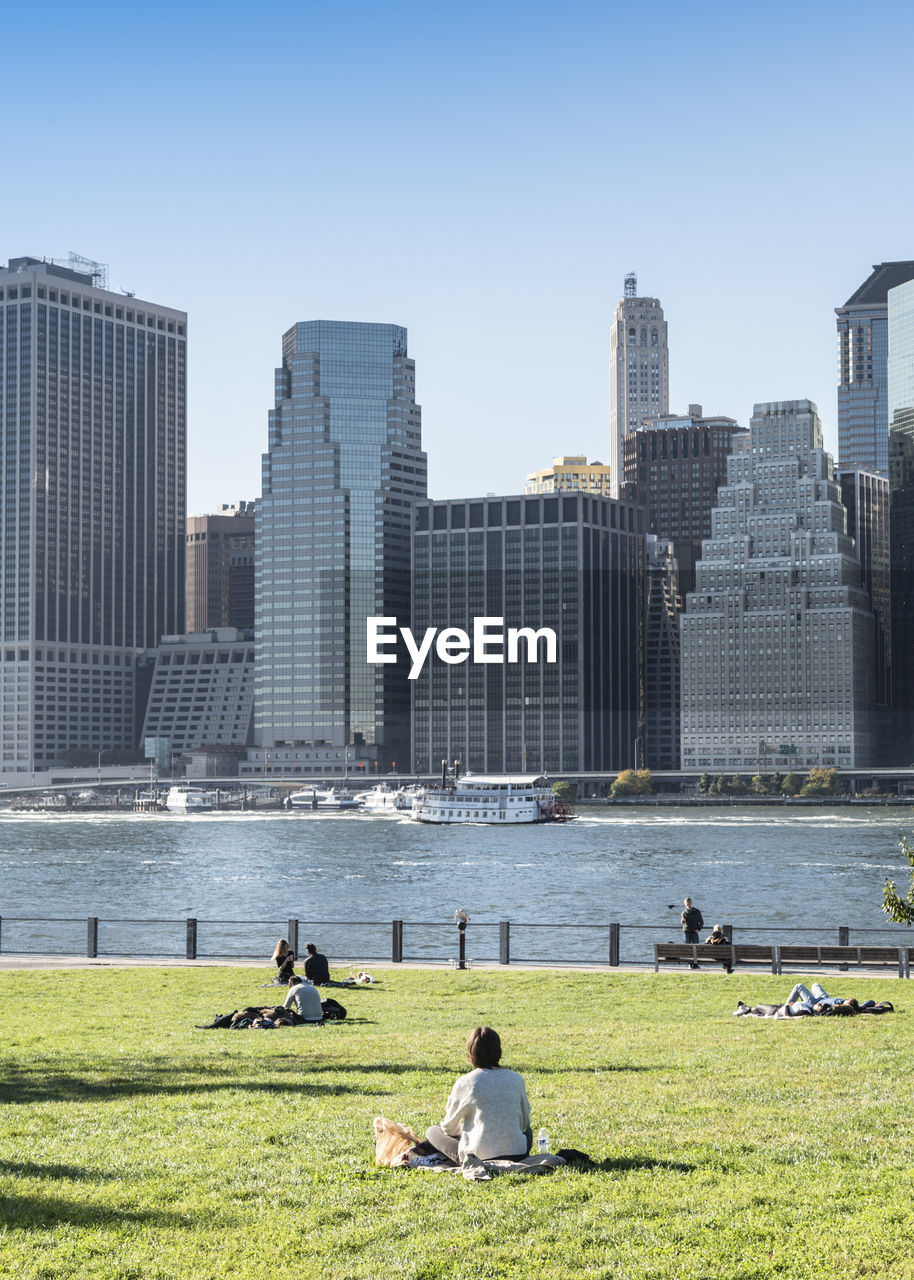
[{"x": 333, "y": 1010}]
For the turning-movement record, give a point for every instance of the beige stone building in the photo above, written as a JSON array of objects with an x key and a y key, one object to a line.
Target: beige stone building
[{"x": 571, "y": 473}]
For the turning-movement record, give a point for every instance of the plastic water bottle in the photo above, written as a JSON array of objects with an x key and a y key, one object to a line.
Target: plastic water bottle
[{"x": 542, "y": 1142}]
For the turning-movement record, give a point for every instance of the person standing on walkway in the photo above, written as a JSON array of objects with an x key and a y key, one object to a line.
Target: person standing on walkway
[{"x": 692, "y": 921}]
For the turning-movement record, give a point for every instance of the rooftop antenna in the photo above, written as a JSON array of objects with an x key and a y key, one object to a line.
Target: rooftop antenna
[
  {"x": 631, "y": 285},
  {"x": 88, "y": 266}
]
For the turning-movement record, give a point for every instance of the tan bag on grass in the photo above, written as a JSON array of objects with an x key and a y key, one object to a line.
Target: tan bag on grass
[{"x": 392, "y": 1141}]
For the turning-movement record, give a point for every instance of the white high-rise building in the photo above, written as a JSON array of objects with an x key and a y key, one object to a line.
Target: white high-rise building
[
  {"x": 639, "y": 371},
  {"x": 778, "y": 635},
  {"x": 92, "y": 505}
]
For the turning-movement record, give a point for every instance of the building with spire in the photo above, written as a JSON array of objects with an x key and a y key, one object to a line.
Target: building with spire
[
  {"x": 778, "y": 636},
  {"x": 639, "y": 372}
]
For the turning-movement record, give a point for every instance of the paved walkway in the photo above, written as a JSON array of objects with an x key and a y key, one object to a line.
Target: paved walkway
[{"x": 14, "y": 962}]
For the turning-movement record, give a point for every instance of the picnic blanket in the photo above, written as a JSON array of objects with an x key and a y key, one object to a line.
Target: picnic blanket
[
  {"x": 396, "y": 1147},
  {"x": 476, "y": 1170}
]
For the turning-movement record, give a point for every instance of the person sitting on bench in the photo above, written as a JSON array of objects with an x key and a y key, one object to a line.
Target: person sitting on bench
[{"x": 717, "y": 938}]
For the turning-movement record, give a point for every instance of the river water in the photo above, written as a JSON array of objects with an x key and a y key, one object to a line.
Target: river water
[{"x": 244, "y": 875}]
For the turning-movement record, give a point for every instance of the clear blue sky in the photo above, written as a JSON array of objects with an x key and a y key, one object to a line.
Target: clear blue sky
[{"x": 484, "y": 174}]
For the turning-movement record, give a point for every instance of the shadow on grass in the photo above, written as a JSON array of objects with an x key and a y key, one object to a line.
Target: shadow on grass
[
  {"x": 38, "y": 1213},
  {"x": 361, "y": 1022},
  {"x": 22, "y": 1087},
  {"x": 74, "y": 1172},
  {"x": 625, "y": 1164}
]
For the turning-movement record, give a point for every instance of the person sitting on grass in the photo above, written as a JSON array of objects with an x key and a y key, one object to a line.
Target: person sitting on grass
[
  {"x": 284, "y": 959},
  {"x": 305, "y": 998},
  {"x": 317, "y": 969},
  {"x": 488, "y": 1112}
]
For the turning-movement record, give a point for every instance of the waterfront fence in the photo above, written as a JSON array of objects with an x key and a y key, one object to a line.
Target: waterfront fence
[{"x": 423, "y": 941}]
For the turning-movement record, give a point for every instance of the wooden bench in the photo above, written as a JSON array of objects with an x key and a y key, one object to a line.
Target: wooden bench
[
  {"x": 699, "y": 953},
  {"x": 807, "y": 955},
  {"x": 801, "y": 955}
]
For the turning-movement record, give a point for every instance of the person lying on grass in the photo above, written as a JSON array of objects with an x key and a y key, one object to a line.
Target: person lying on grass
[
  {"x": 488, "y": 1112},
  {"x": 254, "y": 1018},
  {"x": 805, "y": 1003}
]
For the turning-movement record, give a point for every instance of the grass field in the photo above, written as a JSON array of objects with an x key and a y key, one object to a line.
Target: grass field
[{"x": 134, "y": 1146}]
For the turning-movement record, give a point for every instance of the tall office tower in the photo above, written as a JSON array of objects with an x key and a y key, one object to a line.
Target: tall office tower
[
  {"x": 573, "y": 564},
  {"x": 92, "y": 397},
  {"x": 901, "y": 502},
  {"x": 639, "y": 371},
  {"x": 220, "y": 569},
  {"x": 343, "y": 468},
  {"x": 661, "y": 659},
  {"x": 865, "y": 495},
  {"x": 863, "y": 419},
  {"x": 673, "y": 466},
  {"x": 778, "y": 635},
  {"x": 570, "y": 474}
]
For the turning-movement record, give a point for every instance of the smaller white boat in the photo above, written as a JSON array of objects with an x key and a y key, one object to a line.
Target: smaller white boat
[
  {"x": 387, "y": 799},
  {"x": 335, "y": 798},
  {"x": 189, "y": 800}
]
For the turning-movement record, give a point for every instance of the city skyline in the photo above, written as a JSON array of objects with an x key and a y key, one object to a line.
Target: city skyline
[{"x": 503, "y": 175}]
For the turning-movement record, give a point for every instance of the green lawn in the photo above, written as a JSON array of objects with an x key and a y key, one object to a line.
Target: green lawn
[{"x": 133, "y": 1145}]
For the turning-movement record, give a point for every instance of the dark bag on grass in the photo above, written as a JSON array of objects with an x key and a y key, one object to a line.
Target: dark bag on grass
[{"x": 333, "y": 1010}]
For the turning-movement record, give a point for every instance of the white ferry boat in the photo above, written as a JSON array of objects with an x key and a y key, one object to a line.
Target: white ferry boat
[
  {"x": 189, "y": 800},
  {"x": 494, "y": 798},
  {"x": 336, "y": 798}
]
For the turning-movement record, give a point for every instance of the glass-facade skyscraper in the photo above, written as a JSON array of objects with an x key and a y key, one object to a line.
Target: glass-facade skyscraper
[
  {"x": 343, "y": 467},
  {"x": 572, "y": 563},
  {"x": 901, "y": 505},
  {"x": 92, "y": 505},
  {"x": 863, "y": 417}
]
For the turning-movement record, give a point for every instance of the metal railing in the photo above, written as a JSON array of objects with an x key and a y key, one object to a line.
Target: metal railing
[{"x": 431, "y": 941}]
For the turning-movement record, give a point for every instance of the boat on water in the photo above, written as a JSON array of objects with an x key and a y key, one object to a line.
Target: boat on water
[
  {"x": 499, "y": 799},
  {"x": 190, "y": 800},
  {"x": 387, "y": 799},
  {"x": 335, "y": 798}
]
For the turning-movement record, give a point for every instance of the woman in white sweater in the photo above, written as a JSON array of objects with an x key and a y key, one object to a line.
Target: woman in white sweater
[{"x": 488, "y": 1113}]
